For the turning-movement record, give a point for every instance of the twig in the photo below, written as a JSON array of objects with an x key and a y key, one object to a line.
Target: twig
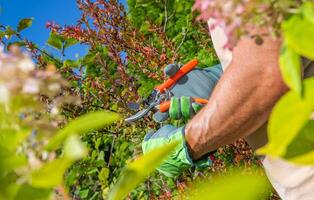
[
  {"x": 166, "y": 16},
  {"x": 111, "y": 149},
  {"x": 181, "y": 43}
]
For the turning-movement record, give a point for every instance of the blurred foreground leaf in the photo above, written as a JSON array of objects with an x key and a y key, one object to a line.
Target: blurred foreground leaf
[
  {"x": 51, "y": 174},
  {"x": 81, "y": 125},
  {"x": 299, "y": 31},
  {"x": 137, "y": 171},
  {"x": 28, "y": 192},
  {"x": 288, "y": 117},
  {"x": 290, "y": 66},
  {"x": 237, "y": 185},
  {"x": 301, "y": 150}
]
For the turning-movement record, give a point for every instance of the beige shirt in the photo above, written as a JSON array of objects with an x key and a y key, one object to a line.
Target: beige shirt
[{"x": 292, "y": 182}]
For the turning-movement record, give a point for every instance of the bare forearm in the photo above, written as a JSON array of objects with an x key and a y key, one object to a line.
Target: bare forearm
[{"x": 241, "y": 101}]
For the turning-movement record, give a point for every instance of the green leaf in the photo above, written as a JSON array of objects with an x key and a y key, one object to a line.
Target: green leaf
[
  {"x": 307, "y": 10},
  {"x": 50, "y": 174},
  {"x": 301, "y": 149},
  {"x": 69, "y": 42},
  {"x": 298, "y": 32},
  {"x": 305, "y": 159},
  {"x": 81, "y": 125},
  {"x": 28, "y": 192},
  {"x": 55, "y": 41},
  {"x": 70, "y": 63},
  {"x": 83, "y": 193},
  {"x": 10, "y": 160},
  {"x": 13, "y": 138},
  {"x": 9, "y": 32},
  {"x": 103, "y": 176},
  {"x": 24, "y": 23},
  {"x": 288, "y": 117},
  {"x": 290, "y": 66},
  {"x": 74, "y": 148},
  {"x": 144, "y": 27},
  {"x": 237, "y": 185},
  {"x": 139, "y": 170},
  {"x": 89, "y": 58}
]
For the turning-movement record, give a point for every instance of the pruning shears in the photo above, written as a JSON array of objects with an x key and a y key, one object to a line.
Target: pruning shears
[{"x": 160, "y": 97}]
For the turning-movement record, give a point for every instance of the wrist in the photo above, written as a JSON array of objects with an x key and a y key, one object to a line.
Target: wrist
[
  {"x": 200, "y": 161},
  {"x": 190, "y": 144}
]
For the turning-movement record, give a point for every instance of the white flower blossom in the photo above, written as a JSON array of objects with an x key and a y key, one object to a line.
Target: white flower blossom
[
  {"x": 31, "y": 86},
  {"x": 54, "y": 87},
  {"x": 26, "y": 65},
  {"x": 54, "y": 110},
  {"x": 4, "y": 94}
]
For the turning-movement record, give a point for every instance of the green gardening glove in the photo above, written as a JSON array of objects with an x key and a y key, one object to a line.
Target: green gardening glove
[
  {"x": 179, "y": 160},
  {"x": 183, "y": 107},
  {"x": 198, "y": 83}
]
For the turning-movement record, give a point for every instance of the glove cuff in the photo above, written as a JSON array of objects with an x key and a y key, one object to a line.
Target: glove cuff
[{"x": 203, "y": 162}]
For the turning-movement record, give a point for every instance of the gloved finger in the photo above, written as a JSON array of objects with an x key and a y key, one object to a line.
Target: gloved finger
[
  {"x": 186, "y": 108},
  {"x": 174, "y": 110},
  {"x": 148, "y": 135},
  {"x": 171, "y": 69},
  {"x": 160, "y": 116},
  {"x": 196, "y": 107},
  {"x": 202, "y": 164}
]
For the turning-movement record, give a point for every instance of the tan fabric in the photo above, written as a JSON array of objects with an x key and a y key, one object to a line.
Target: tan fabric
[
  {"x": 219, "y": 40},
  {"x": 292, "y": 182}
]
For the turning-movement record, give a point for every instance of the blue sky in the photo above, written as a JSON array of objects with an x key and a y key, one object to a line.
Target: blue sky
[{"x": 61, "y": 11}]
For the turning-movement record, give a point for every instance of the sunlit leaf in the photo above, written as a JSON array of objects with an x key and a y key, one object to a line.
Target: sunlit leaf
[
  {"x": 69, "y": 42},
  {"x": 50, "y": 174},
  {"x": 290, "y": 66},
  {"x": 13, "y": 138},
  {"x": 288, "y": 117},
  {"x": 74, "y": 148},
  {"x": 139, "y": 170},
  {"x": 81, "y": 125},
  {"x": 70, "y": 63},
  {"x": 55, "y": 41},
  {"x": 84, "y": 193},
  {"x": 299, "y": 31},
  {"x": 89, "y": 58},
  {"x": 28, "y": 192},
  {"x": 10, "y": 160},
  {"x": 305, "y": 159},
  {"x": 308, "y": 11},
  {"x": 24, "y": 23},
  {"x": 301, "y": 149},
  {"x": 9, "y": 32},
  {"x": 237, "y": 185}
]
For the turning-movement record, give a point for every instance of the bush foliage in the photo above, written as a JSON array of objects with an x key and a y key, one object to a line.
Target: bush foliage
[{"x": 60, "y": 143}]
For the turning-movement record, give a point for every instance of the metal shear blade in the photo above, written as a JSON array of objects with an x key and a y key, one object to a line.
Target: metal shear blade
[{"x": 141, "y": 113}]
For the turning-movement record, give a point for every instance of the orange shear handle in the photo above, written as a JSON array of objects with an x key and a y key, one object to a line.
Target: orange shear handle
[
  {"x": 164, "y": 107},
  {"x": 181, "y": 72}
]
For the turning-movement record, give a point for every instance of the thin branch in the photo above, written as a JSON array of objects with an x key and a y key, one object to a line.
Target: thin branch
[
  {"x": 181, "y": 43},
  {"x": 166, "y": 16}
]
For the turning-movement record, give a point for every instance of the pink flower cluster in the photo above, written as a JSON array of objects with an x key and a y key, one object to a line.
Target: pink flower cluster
[
  {"x": 228, "y": 14},
  {"x": 238, "y": 17}
]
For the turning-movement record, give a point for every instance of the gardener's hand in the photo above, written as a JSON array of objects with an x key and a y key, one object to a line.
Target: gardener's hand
[
  {"x": 179, "y": 160},
  {"x": 199, "y": 83}
]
